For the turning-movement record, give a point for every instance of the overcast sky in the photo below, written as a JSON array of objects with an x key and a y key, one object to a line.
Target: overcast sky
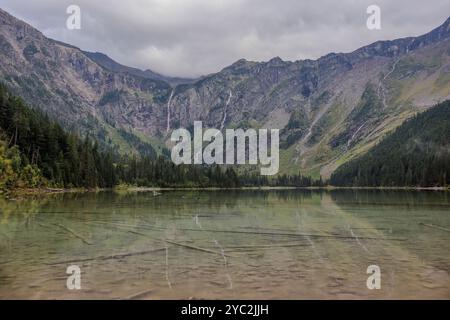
[{"x": 195, "y": 37}]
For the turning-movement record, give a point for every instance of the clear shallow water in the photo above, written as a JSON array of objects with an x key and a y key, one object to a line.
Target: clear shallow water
[{"x": 285, "y": 244}]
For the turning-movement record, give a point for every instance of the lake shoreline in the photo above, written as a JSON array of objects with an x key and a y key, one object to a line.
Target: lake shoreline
[{"x": 24, "y": 192}]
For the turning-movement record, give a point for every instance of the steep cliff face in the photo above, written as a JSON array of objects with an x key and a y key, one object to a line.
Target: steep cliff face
[
  {"x": 328, "y": 110},
  {"x": 71, "y": 87}
]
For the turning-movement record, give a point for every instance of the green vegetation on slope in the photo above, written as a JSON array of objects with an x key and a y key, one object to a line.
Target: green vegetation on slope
[
  {"x": 14, "y": 173},
  {"x": 416, "y": 154},
  {"x": 368, "y": 112},
  {"x": 295, "y": 129},
  {"x": 38, "y": 147}
]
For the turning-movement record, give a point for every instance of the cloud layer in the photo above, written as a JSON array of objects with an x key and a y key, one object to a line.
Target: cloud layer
[{"x": 196, "y": 37}]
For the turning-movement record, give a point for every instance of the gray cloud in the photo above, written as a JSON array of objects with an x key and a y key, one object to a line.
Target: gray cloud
[{"x": 195, "y": 37}]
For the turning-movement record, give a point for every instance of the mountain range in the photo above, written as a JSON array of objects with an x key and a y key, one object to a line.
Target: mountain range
[{"x": 329, "y": 110}]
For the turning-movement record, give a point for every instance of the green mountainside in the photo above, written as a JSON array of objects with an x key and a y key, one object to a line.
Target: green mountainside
[{"x": 416, "y": 154}]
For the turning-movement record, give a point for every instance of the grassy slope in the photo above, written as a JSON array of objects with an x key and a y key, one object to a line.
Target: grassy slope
[{"x": 419, "y": 148}]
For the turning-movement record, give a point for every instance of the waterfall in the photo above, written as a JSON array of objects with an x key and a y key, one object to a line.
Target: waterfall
[
  {"x": 225, "y": 110},
  {"x": 168, "y": 110}
]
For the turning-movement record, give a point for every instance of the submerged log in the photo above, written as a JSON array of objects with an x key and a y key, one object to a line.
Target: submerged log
[
  {"x": 198, "y": 248},
  {"x": 262, "y": 246},
  {"x": 434, "y": 226},
  {"x": 68, "y": 230},
  {"x": 108, "y": 257},
  {"x": 139, "y": 294},
  {"x": 73, "y": 233}
]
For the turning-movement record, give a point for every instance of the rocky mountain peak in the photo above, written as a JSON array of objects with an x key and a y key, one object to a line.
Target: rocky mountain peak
[{"x": 275, "y": 62}]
